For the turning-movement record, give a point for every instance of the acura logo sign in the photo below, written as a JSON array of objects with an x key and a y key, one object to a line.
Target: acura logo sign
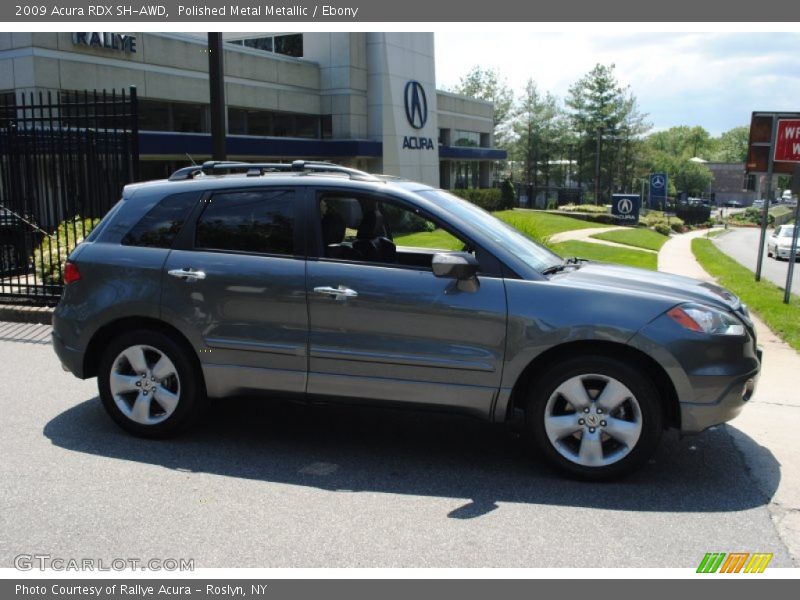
[
  {"x": 625, "y": 208},
  {"x": 416, "y": 104}
]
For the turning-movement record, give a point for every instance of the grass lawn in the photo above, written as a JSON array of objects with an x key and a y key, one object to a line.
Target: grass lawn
[
  {"x": 541, "y": 225},
  {"x": 439, "y": 239},
  {"x": 764, "y": 298},
  {"x": 610, "y": 254},
  {"x": 639, "y": 237},
  {"x": 536, "y": 224}
]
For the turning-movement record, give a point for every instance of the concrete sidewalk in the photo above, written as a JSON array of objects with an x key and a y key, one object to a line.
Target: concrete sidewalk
[
  {"x": 585, "y": 235},
  {"x": 772, "y": 417}
]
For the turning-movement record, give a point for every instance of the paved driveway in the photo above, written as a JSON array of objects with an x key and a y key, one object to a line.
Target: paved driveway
[
  {"x": 741, "y": 244},
  {"x": 266, "y": 484}
]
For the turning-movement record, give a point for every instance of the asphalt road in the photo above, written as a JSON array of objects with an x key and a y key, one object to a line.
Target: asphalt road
[
  {"x": 267, "y": 484},
  {"x": 741, "y": 244}
]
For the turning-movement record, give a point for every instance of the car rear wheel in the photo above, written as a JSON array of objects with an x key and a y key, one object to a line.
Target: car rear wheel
[
  {"x": 595, "y": 418},
  {"x": 149, "y": 384}
]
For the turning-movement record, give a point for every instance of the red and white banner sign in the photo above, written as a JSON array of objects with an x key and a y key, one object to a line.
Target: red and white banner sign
[{"x": 787, "y": 144}]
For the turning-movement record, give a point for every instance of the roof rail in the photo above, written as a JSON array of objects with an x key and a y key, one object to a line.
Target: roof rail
[{"x": 213, "y": 167}]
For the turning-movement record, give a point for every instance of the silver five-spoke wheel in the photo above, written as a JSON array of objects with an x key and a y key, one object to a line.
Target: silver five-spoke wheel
[
  {"x": 593, "y": 420},
  {"x": 145, "y": 384}
]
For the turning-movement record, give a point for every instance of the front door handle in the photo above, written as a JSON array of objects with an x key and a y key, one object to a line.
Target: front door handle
[
  {"x": 340, "y": 293},
  {"x": 187, "y": 274}
]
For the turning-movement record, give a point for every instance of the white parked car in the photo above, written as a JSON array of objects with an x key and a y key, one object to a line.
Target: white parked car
[{"x": 779, "y": 244}]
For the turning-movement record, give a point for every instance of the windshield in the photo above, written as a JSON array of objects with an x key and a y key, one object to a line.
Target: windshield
[
  {"x": 529, "y": 251},
  {"x": 786, "y": 232}
]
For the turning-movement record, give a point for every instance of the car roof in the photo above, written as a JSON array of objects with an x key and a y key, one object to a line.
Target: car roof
[{"x": 376, "y": 184}]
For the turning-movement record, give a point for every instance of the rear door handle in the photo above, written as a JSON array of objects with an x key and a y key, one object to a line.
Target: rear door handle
[
  {"x": 340, "y": 293},
  {"x": 187, "y": 274}
]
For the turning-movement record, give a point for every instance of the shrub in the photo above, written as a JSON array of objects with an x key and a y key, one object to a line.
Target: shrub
[
  {"x": 488, "y": 199},
  {"x": 655, "y": 217},
  {"x": 508, "y": 194},
  {"x": 752, "y": 216},
  {"x": 662, "y": 228},
  {"x": 586, "y": 208},
  {"x": 51, "y": 254}
]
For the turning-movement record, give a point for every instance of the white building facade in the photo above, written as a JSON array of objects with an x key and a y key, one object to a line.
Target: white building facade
[{"x": 367, "y": 99}]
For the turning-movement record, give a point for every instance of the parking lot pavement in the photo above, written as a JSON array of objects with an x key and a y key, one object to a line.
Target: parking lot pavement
[
  {"x": 262, "y": 483},
  {"x": 741, "y": 244}
]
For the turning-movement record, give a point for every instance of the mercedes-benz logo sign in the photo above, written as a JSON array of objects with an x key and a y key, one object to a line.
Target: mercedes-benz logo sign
[
  {"x": 416, "y": 104},
  {"x": 625, "y": 206},
  {"x": 657, "y": 181}
]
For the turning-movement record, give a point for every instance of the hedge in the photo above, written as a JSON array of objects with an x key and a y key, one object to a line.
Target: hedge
[{"x": 490, "y": 199}]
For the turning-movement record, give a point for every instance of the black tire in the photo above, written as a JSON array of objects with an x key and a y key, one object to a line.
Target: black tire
[
  {"x": 192, "y": 394},
  {"x": 643, "y": 392}
]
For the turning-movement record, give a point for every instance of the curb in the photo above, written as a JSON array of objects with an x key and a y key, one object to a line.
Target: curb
[{"x": 26, "y": 314}]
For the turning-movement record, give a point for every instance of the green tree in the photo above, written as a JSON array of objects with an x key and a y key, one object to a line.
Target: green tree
[
  {"x": 683, "y": 142},
  {"x": 490, "y": 85},
  {"x": 607, "y": 120},
  {"x": 538, "y": 128},
  {"x": 733, "y": 145},
  {"x": 693, "y": 178}
]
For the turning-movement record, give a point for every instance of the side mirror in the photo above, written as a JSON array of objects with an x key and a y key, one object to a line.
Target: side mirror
[{"x": 454, "y": 265}]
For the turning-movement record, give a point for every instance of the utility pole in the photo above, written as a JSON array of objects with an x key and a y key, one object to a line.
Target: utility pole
[
  {"x": 216, "y": 82},
  {"x": 767, "y": 198},
  {"x": 795, "y": 187}
]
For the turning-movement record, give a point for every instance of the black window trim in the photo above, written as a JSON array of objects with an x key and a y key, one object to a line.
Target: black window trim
[
  {"x": 314, "y": 250},
  {"x": 186, "y": 239}
]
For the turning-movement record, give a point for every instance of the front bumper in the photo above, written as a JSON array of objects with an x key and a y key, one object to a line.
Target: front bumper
[
  {"x": 784, "y": 252},
  {"x": 713, "y": 376}
]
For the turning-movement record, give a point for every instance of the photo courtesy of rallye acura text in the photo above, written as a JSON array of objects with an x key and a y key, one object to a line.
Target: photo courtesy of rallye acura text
[{"x": 322, "y": 283}]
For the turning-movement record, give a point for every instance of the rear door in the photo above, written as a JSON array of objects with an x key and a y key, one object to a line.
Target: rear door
[{"x": 235, "y": 284}]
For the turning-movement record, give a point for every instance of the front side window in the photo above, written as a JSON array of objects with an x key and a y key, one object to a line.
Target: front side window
[
  {"x": 364, "y": 229},
  {"x": 255, "y": 221}
]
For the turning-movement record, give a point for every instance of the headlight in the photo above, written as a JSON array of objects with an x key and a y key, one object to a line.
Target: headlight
[{"x": 704, "y": 319}]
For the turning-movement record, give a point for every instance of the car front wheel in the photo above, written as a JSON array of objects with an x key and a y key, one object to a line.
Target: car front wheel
[
  {"x": 149, "y": 385},
  {"x": 595, "y": 418}
]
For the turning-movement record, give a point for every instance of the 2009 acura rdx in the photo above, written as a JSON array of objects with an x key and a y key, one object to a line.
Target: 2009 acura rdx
[{"x": 323, "y": 281}]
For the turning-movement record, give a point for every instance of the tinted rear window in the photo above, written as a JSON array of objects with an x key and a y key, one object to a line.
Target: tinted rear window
[
  {"x": 258, "y": 221},
  {"x": 159, "y": 227}
]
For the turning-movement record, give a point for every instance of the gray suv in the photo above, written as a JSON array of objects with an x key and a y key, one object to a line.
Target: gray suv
[{"x": 323, "y": 283}]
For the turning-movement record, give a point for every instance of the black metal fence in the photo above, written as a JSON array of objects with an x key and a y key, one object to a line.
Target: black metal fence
[{"x": 64, "y": 159}]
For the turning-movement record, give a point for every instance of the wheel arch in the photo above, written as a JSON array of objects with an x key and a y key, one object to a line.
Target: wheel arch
[
  {"x": 101, "y": 338},
  {"x": 667, "y": 394}
]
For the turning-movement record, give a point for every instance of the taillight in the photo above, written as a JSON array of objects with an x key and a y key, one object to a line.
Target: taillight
[{"x": 71, "y": 273}]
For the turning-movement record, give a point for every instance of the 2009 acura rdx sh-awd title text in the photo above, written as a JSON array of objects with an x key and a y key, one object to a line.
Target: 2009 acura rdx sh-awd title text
[{"x": 323, "y": 283}]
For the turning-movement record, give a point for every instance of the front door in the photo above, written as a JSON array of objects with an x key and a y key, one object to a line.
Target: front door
[{"x": 382, "y": 326}]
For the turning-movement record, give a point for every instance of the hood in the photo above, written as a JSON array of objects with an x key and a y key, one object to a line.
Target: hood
[{"x": 681, "y": 289}]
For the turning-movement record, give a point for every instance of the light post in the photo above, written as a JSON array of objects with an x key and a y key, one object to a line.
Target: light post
[{"x": 597, "y": 169}]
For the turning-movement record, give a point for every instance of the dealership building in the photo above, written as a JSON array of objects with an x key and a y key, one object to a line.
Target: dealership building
[{"x": 367, "y": 100}]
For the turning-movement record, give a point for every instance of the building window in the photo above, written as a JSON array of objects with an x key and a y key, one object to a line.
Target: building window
[
  {"x": 467, "y": 174},
  {"x": 288, "y": 45},
  {"x": 471, "y": 139},
  {"x": 160, "y": 115},
  {"x": 327, "y": 127},
  {"x": 244, "y": 121}
]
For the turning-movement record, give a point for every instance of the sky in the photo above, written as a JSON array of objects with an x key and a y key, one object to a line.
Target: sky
[{"x": 714, "y": 80}]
